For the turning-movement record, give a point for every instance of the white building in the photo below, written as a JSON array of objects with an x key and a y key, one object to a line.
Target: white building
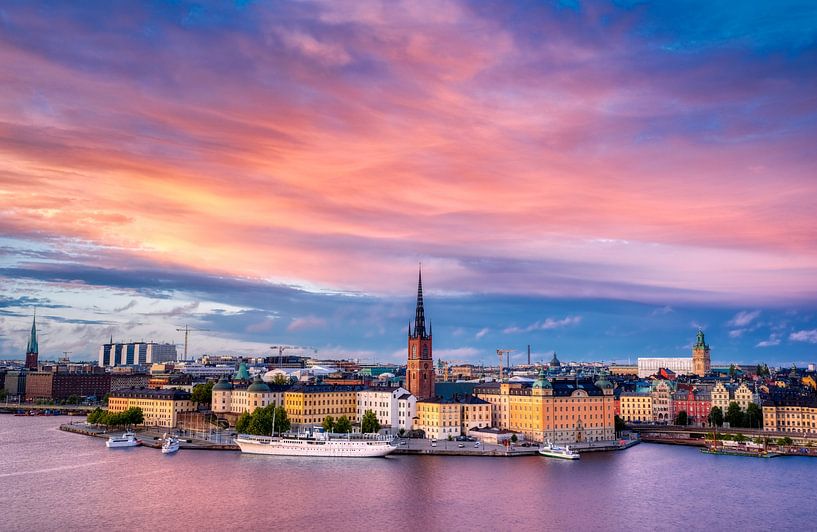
[
  {"x": 650, "y": 366},
  {"x": 201, "y": 370},
  {"x": 386, "y": 405},
  {"x": 136, "y": 354}
]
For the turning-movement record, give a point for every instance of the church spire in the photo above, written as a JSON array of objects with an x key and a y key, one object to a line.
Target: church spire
[
  {"x": 419, "y": 316},
  {"x": 32, "y": 347}
]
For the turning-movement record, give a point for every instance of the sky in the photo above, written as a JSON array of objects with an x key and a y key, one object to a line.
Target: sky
[{"x": 599, "y": 179}]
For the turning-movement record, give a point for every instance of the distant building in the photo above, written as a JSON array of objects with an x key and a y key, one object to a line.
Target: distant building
[
  {"x": 15, "y": 384},
  {"x": 385, "y": 403},
  {"x": 651, "y": 365},
  {"x": 135, "y": 354},
  {"x": 32, "y": 347},
  {"x": 307, "y": 406},
  {"x": 636, "y": 406},
  {"x": 161, "y": 408},
  {"x": 723, "y": 394},
  {"x": 444, "y": 418},
  {"x": 39, "y": 385},
  {"x": 120, "y": 381},
  {"x": 790, "y": 412},
  {"x": 232, "y": 401},
  {"x": 696, "y": 404},
  {"x": 620, "y": 370},
  {"x": 420, "y": 368},
  {"x": 700, "y": 356}
]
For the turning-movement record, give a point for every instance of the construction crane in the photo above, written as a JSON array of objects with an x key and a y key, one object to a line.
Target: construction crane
[
  {"x": 186, "y": 331},
  {"x": 282, "y": 348},
  {"x": 501, "y": 354}
]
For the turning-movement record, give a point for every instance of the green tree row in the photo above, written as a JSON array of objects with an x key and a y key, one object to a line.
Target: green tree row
[
  {"x": 341, "y": 425},
  {"x": 131, "y": 416},
  {"x": 736, "y": 417},
  {"x": 260, "y": 421},
  {"x": 202, "y": 393}
]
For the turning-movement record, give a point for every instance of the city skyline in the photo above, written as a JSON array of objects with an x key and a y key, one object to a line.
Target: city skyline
[{"x": 596, "y": 180}]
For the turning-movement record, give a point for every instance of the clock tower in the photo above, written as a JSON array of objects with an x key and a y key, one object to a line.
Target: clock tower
[{"x": 420, "y": 367}]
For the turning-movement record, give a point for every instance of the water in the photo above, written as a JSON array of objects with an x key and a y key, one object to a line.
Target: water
[{"x": 51, "y": 479}]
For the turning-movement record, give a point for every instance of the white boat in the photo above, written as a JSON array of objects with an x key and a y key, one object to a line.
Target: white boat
[
  {"x": 170, "y": 445},
  {"x": 128, "y": 439},
  {"x": 555, "y": 451},
  {"x": 316, "y": 443}
]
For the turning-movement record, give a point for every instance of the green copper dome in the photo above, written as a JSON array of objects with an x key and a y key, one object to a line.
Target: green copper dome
[
  {"x": 542, "y": 381},
  {"x": 222, "y": 385},
  {"x": 258, "y": 386},
  {"x": 603, "y": 383},
  {"x": 242, "y": 374}
]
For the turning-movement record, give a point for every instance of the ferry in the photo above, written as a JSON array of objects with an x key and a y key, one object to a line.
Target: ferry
[
  {"x": 128, "y": 439},
  {"x": 555, "y": 451},
  {"x": 316, "y": 442},
  {"x": 170, "y": 445}
]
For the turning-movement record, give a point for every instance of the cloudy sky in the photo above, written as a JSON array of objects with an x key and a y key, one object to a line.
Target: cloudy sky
[{"x": 594, "y": 178}]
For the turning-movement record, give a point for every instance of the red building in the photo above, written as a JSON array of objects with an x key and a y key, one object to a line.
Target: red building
[
  {"x": 696, "y": 403},
  {"x": 420, "y": 368}
]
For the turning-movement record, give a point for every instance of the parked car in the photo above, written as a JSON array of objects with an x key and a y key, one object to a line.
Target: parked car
[
  {"x": 476, "y": 445},
  {"x": 433, "y": 443},
  {"x": 460, "y": 445}
]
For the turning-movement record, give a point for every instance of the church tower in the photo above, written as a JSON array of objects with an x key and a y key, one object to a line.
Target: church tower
[
  {"x": 420, "y": 367},
  {"x": 700, "y": 356},
  {"x": 32, "y": 349}
]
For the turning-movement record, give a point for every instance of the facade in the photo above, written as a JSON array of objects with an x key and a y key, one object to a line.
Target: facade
[
  {"x": 39, "y": 385},
  {"x": 15, "y": 384},
  {"x": 307, "y": 406},
  {"x": 385, "y": 403},
  {"x": 229, "y": 399},
  {"x": 662, "y": 402},
  {"x": 406, "y": 411},
  {"x": 791, "y": 413},
  {"x": 120, "y": 381},
  {"x": 696, "y": 403},
  {"x": 636, "y": 406},
  {"x": 81, "y": 385},
  {"x": 621, "y": 370},
  {"x": 651, "y": 365},
  {"x": 161, "y": 408},
  {"x": 420, "y": 367},
  {"x": 701, "y": 363},
  {"x": 443, "y": 418},
  {"x": 564, "y": 411},
  {"x": 723, "y": 394},
  {"x": 32, "y": 347},
  {"x": 135, "y": 354}
]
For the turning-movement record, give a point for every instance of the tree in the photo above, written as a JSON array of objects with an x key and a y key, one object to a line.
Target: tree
[
  {"x": 243, "y": 423},
  {"x": 682, "y": 418},
  {"x": 343, "y": 425},
  {"x": 401, "y": 432},
  {"x": 740, "y": 437},
  {"x": 369, "y": 423},
  {"x": 280, "y": 380},
  {"x": 261, "y": 421},
  {"x": 620, "y": 425},
  {"x": 202, "y": 393},
  {"x": 514, "y": 439},
  {"x": 328, "y": 424},
  {"x": 754, "y": 416},
  {"x": 734, "y": 415},
  {"x": 785, "y": 441},
  {"x": 282, "y": 423},
  {"x": 715, "y": 416},
  {"x": 96, "y": 416}
]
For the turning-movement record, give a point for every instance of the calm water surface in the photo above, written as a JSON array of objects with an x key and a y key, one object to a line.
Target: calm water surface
[{"x": 54, "y": 480}]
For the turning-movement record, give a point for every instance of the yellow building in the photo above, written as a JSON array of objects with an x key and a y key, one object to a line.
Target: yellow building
[
  {"x": 809, "y": 381},
  {"x": 230, "y": 401},
  {"x": 791, "y": 414},
  {"x": 309, "y": 405},
  {"x": 441, "y": 418},
  {"x": 637, "y": 407},
  {"x": 565, "y": 411},
  {"x": 160, "y": 408}
]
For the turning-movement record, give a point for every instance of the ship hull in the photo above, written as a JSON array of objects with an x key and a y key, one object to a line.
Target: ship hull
[
  {"x": 331, "y": 448},
  {"x": 559, "y": 454}
]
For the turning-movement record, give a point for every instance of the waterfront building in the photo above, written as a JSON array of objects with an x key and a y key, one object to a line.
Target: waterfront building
[
  {"x": 723, "y": 394},
  {"x": 232, "y": 401},
  {"x": 160, "y": 408},
  {"x": 420, "y": 367},
  {"x": 135, "y": 353},
  {"x": 15, "y": 384},
  {"x": 443, "y": 418},
  {"x": 700, "y": 356},
  {"x": 662, "y": 401},
  {"x": 790, "y": 412},
  {"x": 39, "y": 385},
  {"x": 564, "y": 411},
  {"x": 636, "y": 406},
  {"x": 651, "y": 365},
  {"x": 696, "y": 403},
  {"x": 307, "y": 406},
  {"x": 32, "y": 347},
  {"x": 385, "y": 403},
  {"x": 406, "y": 411}
]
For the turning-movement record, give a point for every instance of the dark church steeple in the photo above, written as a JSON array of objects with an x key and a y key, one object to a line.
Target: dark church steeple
[
  {"x": 32, "y": 347},
  {"x": 419, "y": 314},
  {"x": 420, "y": 367}
]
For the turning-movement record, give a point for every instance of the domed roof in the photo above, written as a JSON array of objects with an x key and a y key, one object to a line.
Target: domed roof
[
  {"x": 222, "y": 385},
  {"x": 242, "y": 374},
  {"x": 554, "y": 362},
  {"x": 603, "y": 382},
  {"x": 542, "y": 381},
  {"x": 258, "y": 386}
]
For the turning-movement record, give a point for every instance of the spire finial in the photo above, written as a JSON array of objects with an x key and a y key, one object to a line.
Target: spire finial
[{"x": 419, "y": 316}]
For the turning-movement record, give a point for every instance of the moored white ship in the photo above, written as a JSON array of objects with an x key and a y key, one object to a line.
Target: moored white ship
[
  {"x": 128, "y": 439},
  {"x": 555, "y": 451},
  {"x": 170, "y": 444},
  {"x": 316, "y": 443}
]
